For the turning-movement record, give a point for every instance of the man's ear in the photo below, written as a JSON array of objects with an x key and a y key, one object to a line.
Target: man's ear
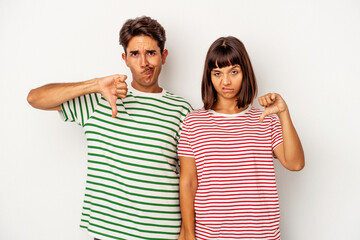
[
  {"x": 164, "y": 55},
  {"x": 124, "y": 57}
]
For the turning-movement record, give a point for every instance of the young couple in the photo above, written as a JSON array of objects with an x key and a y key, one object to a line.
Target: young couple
[{"x": 227, "y": 180}]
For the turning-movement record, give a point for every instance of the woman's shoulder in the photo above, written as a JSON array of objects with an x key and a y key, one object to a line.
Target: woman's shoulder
[
  {"x": 197, "y": 114},
  {"x": 255, "y": 110}
]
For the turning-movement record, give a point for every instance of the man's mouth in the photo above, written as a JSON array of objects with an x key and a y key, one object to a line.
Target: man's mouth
[{"x": 148, "y": 71}]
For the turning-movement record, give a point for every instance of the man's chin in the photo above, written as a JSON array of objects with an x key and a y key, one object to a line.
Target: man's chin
[{"x": 147, "y": 81}]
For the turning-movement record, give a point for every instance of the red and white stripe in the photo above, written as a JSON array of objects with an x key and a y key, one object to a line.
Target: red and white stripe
[{"x": 236, "y": 196}]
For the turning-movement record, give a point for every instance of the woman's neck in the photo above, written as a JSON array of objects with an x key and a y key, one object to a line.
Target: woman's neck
[{"x": 227, "y": 107}]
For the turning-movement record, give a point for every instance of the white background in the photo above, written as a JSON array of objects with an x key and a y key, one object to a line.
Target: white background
[{"x": 306, "y": 50}]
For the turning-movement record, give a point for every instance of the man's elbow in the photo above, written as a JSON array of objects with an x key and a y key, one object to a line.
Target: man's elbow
[
  {"x": 36, "y": 100},
  {"x": 31, "y": 98}
]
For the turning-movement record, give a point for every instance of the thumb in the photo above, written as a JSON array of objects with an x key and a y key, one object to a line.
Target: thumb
[
  {"x": 123, "y": 78},
  {"x": 263, "y": 115},
  {"x": 120, "y": 78},
  {"x": 112, "y": 103}
]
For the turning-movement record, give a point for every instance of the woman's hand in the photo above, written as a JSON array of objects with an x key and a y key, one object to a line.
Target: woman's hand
[
  {"x": 273, "y": 104},
  {"x": 290, "y": 152}
]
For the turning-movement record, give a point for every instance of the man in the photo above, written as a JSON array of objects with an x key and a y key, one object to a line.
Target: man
[{"x": 132, "y": 135}]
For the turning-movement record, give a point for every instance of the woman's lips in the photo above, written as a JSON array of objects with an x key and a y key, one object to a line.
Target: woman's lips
[{"x": 227, "y": 89}]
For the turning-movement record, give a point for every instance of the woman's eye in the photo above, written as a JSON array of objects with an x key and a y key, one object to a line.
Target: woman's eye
[
  {"x": 234, "y": 72},
  {"x": 216, "y": 74}
]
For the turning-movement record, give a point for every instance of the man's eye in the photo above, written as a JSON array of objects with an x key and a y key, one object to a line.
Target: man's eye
[
  {"x": 133, "y": 54},
  {"x": 151, "y": 53}
]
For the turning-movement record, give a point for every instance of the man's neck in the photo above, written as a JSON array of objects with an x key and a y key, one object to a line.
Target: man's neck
[{"x": 148, "y": 89}]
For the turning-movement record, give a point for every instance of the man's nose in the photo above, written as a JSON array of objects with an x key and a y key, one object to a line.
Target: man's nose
[{"x": 143, "y": 61}]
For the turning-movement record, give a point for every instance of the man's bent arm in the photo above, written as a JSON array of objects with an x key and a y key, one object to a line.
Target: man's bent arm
[{"x": 51, "y": 96}]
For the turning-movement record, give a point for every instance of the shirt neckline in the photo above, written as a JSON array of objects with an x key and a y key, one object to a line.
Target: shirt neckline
[
  {"x": 145, "y": 94},
  {"x": 231, "y": 115}
]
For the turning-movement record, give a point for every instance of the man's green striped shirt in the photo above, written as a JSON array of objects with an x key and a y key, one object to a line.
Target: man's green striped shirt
[{"x": 132, "y": 187}]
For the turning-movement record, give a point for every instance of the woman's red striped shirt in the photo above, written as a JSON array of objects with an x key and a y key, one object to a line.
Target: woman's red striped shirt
[{"x": 236, "y": 196}]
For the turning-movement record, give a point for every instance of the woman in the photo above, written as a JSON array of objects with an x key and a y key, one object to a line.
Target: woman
[{"x": 227, "y": 181}]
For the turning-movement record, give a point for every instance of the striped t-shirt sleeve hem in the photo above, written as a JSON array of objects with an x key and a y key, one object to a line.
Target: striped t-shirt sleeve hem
[
  {"x": 184, "y": 147},
  {"x": 277, "y": 143},
  {"x": 79, "y": 109},
  {"x": 63, "y": 114},
  {"x": 276, "y": 134},
  {"x": 186, "y": 155}
]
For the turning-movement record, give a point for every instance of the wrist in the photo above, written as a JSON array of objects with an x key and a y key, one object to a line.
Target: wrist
[
  {"x": 190, "y": 236},
  {"x": 284, "y": 115},
  {"x": 92, "y": 85}
]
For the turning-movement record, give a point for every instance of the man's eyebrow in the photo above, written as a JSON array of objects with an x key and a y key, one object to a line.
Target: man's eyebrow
[
  {"x": 150, "y": 51},
  {"x": 134, "y": 52}
]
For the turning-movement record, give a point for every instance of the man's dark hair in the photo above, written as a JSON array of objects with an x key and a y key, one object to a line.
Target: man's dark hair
[
  {"x": 142, "y": 26},
  {"x": 224, "y": 52}
]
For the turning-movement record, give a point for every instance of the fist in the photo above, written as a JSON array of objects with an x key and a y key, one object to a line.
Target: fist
[
  {"x": 120, "y": 86},
  {"x": 113, "y": 87},
  {"x": 273, "y": 104}
]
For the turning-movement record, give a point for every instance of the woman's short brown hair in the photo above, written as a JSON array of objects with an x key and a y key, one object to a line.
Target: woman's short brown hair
[
  {"x": 142, "y": 26},
  {"x": 224, "y": 52}
]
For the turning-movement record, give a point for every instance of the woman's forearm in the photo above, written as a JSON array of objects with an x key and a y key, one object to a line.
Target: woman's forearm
[{"x": 293, "y": 151}]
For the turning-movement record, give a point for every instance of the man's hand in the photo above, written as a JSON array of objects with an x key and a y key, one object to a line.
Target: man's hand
[
  {"x": 113, "y": 87},
  {"x": 273, "y": 104}
]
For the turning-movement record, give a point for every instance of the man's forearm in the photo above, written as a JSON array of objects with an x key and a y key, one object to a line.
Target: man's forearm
[{"x": 51, "y": 96}]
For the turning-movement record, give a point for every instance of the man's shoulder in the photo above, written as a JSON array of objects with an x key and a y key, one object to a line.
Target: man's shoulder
[
  {"x": 176, "y": 99},
  {"x": 171, "y": 95}
]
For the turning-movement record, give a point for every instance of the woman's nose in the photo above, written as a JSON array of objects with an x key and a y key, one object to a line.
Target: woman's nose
[{"x": 226, "y": 80}]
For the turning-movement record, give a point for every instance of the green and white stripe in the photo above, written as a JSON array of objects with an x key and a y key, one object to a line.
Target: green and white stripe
[{"x": 132, "y": 181}]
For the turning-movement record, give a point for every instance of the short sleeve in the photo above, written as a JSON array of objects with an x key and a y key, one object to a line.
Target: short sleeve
[
  {"x": 186, "y": 109},
  {"x": 276, "y": 132},
  {"x": 184, "y": 146},
  {"x": 80, "y": 109}
]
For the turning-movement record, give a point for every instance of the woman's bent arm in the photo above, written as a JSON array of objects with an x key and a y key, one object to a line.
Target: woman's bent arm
[{"x": 290, "y": 153}]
